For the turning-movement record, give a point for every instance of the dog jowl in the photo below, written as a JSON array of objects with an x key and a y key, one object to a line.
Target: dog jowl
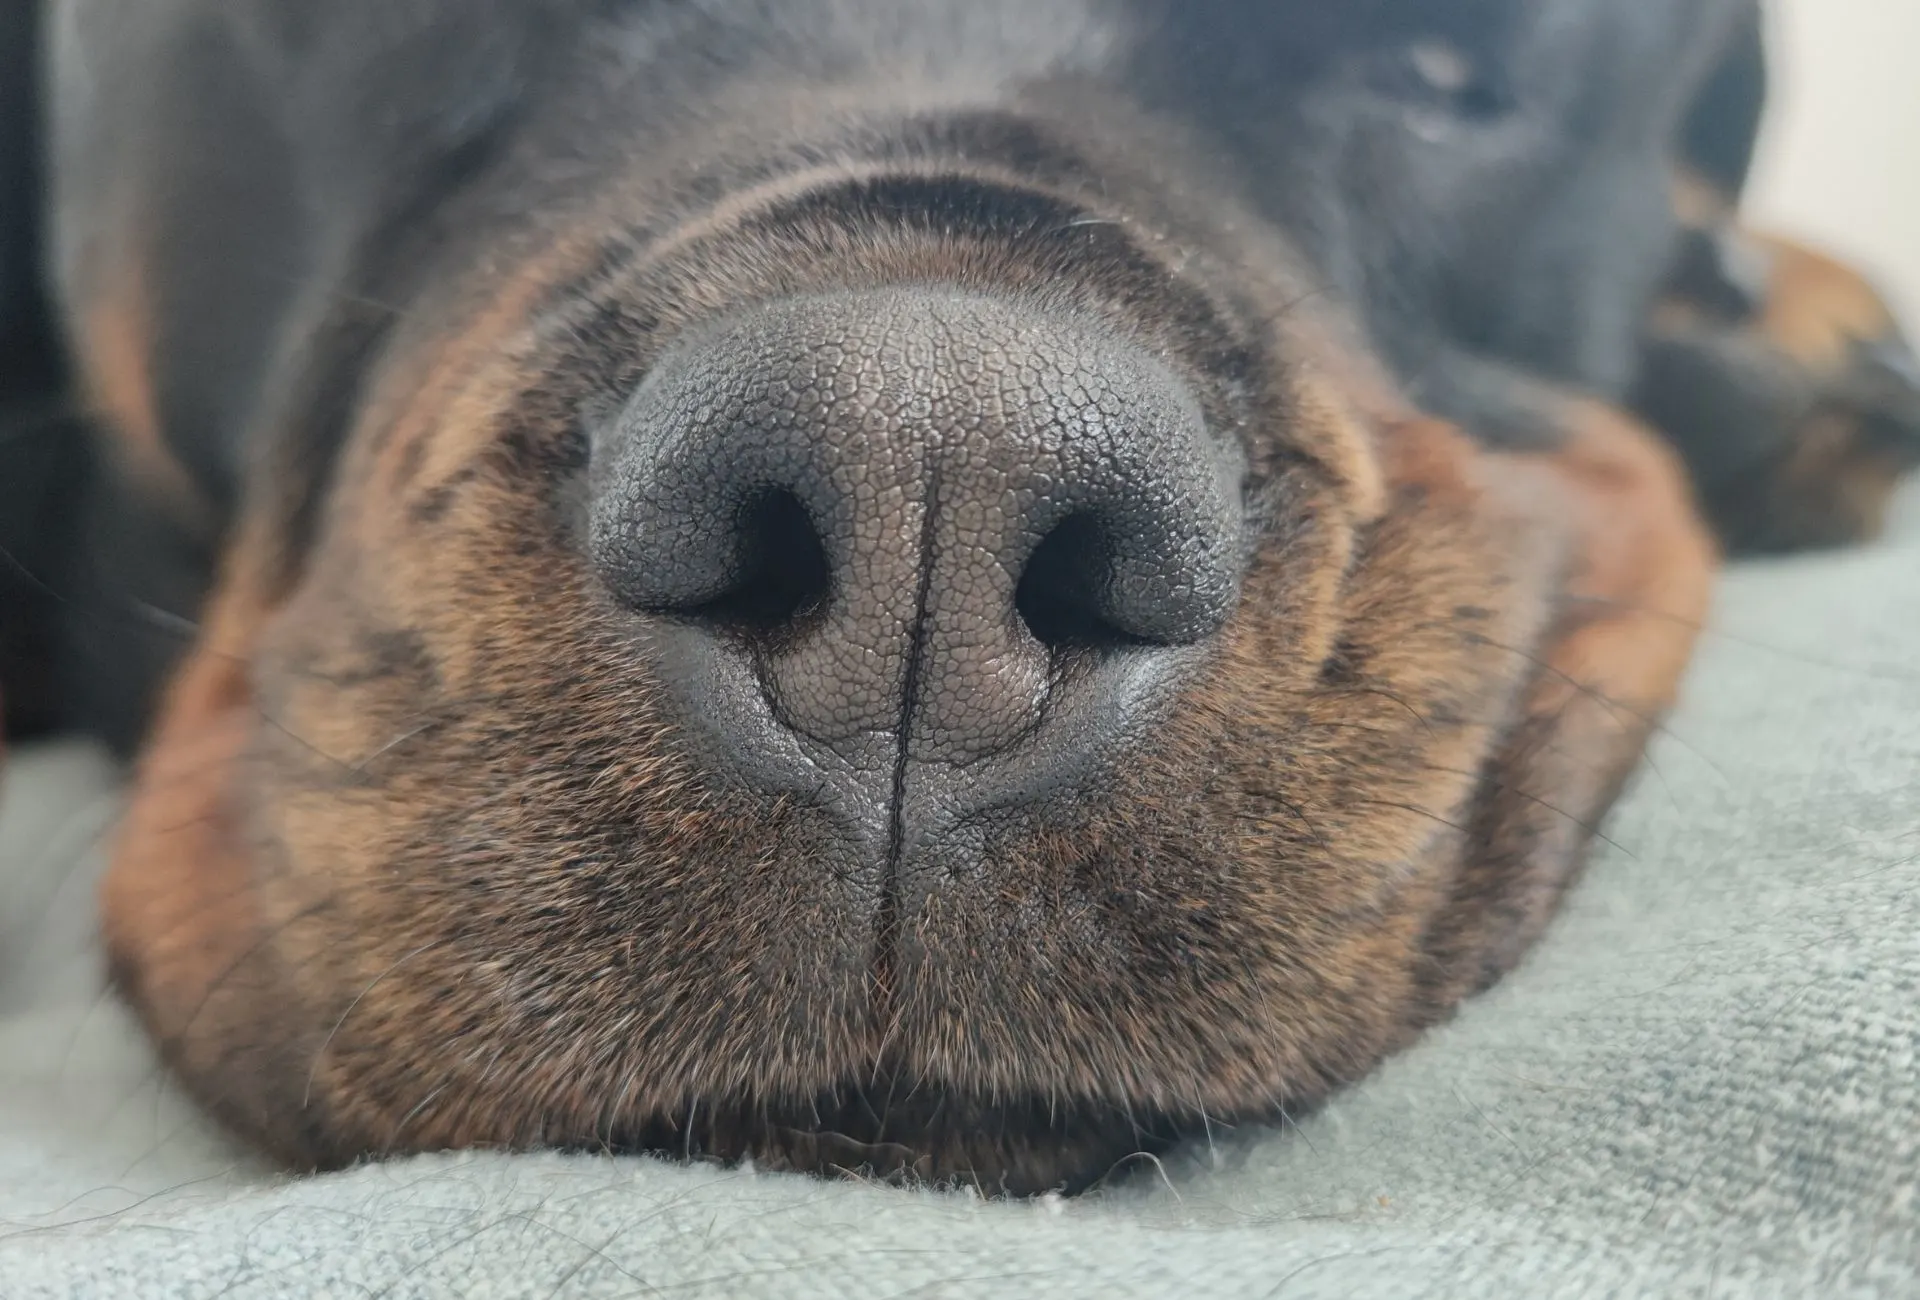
[{"x": 953, "y": 589}]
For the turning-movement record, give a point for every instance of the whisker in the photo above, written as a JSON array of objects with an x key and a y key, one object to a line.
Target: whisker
[
  {"x": 19, "y": 566},
  {"x": 1418, "y": 811},
  {"x": 1878, "y": 671},
  {"x": 394, "y": 1137},
  {"x": 313, "y": 1066},
  {"x": 253, "y": 950},
  {"x": 164, "y": 620},
  {"x": 1654, "y": 724},
  {"x": 1505, "y": 787},
  {"x": 1296, "y": 812}
]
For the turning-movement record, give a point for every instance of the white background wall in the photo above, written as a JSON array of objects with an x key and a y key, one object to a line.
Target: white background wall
[{"x": 1840, "y": 164}]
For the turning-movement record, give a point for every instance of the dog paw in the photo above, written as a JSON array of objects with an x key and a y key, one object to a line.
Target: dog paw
[{"x": 1783, "y": 377}]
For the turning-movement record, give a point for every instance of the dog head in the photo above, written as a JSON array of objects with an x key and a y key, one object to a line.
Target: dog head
[{"x": 839, "y": 581}]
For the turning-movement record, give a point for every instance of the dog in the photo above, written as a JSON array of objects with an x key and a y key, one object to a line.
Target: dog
[{"x": 958, "y": 589}]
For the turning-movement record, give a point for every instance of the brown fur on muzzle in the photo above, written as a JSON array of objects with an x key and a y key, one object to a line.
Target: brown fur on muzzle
[{"x": 419, "y": 858}]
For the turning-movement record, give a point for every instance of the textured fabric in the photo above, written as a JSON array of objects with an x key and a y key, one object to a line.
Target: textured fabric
[{"x": 1706, "y": 1082}]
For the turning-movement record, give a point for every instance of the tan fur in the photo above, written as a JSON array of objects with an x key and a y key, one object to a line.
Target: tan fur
[
  {"x": 382, "y": 878},
  {"x": 1840, "y": 438},
  {"x": 1818, "y": 308},
  {"x": 118, "y": 372},
  {"x": 420, "y": 856}
]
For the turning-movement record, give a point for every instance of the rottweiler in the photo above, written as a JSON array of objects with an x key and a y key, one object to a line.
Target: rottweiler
[{"x": 959, "y": 589}]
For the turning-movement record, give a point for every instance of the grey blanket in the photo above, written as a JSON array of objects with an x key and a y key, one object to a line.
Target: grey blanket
[{"x": 1705, "y": 1083}]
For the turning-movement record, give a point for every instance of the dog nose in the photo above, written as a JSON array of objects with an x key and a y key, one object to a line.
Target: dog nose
[{"x": 919, "y": 516}]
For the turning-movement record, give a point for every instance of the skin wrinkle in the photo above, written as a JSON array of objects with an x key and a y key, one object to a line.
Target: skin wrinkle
[{"x": 485, "y": 820}]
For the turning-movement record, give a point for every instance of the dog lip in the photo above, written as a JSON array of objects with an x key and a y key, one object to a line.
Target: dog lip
[
  {"x": 942, "y": 803},
  {"x": 915, "y": 1131}
]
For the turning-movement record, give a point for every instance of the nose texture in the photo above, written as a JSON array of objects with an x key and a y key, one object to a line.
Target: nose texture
[{"x": 922, "y": 514}]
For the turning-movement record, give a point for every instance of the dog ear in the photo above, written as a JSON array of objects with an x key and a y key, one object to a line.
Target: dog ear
[
  {"x": 330, "y": 136},
  {"x": 237, "y": 187},
  {"x": 394, "y": 102}
]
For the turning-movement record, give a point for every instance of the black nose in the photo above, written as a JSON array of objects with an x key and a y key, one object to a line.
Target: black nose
[{"x": 924, "y": 528}]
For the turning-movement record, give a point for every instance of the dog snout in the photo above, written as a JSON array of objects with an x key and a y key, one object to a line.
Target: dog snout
[{"x": 917, "y": 528}]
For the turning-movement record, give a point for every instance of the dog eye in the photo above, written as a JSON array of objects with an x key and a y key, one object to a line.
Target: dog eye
[
  {"x": 1444, "y": 68},
  {"x": 1436, "y": 75}
]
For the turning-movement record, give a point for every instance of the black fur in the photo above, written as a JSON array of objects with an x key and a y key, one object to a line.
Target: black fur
[{"x": 1458, "y": 216}]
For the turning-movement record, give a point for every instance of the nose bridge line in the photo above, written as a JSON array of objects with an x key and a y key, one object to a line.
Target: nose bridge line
[{"x": 887, "y": 921}]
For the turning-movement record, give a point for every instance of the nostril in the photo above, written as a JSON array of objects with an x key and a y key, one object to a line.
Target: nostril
[
  {"x": 781, "y": 572},
  {"x": 1060, "y": 595}
]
